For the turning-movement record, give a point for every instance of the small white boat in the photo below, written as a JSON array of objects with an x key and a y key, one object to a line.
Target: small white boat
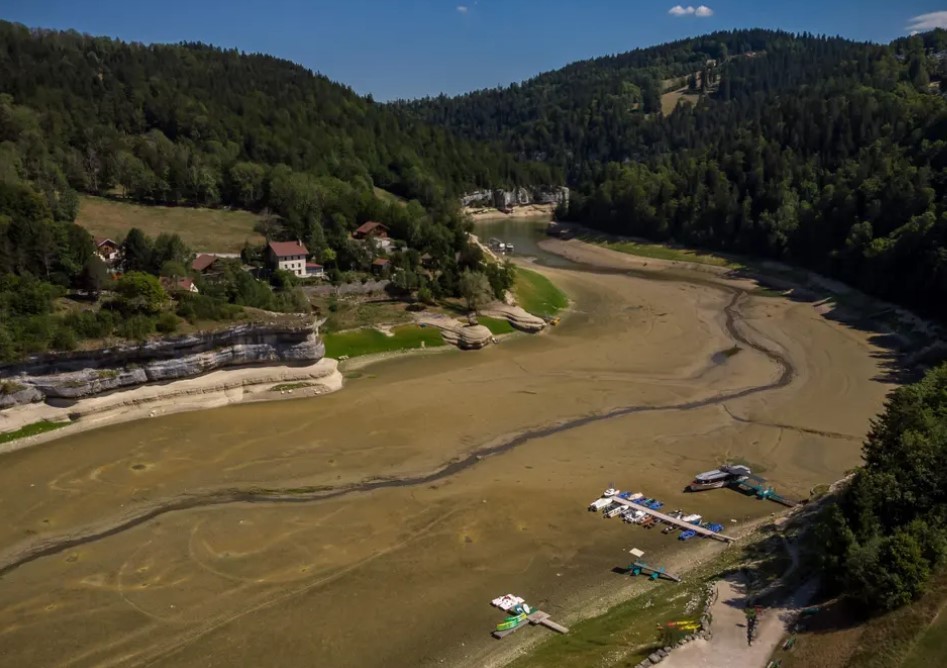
[
  {"x": 691, "y": 518},
  {"x": 599, "y": 504},
  {"x": 611, "y": 512},
  {"x": 611, "y": 491},
  {"x": 636, "y": 517}
]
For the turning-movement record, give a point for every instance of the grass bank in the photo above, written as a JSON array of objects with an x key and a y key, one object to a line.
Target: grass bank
[
  {"x": 914, "y": 636},
  {"x": 497, "y": 326},
  {"x": 216, "y": 230},
  {"x": 31, "y": 430},
  {"x": 371, "y": 341},
  {"x": 537, "y": 294},
  {"x": 662, "y": 252}
]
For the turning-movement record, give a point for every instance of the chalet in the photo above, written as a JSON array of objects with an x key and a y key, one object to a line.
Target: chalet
[
  {"x": 427, "y": 261},
  {"x": 287, "y": 255},
  {"x": 204, "y": 263},
  {"x": 314, "y": 270},
  {"x": 377, "y": 232},
  {"x": 108, "y": 250},
  {"x": 172, "y": 285},
  {"x": 380, "y": 265}
]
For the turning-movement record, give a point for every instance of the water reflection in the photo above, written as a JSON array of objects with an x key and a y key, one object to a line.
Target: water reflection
[{"x": 524, "y": 234}]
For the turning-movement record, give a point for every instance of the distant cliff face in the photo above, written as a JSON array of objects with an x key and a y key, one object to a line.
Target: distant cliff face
[
  {"x": 502, "y": 199},
  {"x": 71, "y": 376}
]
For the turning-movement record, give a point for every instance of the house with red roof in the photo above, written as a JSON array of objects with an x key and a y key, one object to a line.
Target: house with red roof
[
  {"x": 172, "y": 285},
  {"x": 204, "y": 263},
  {"x": 377, "y": 232},
  {"x": 287, "y": 255}
]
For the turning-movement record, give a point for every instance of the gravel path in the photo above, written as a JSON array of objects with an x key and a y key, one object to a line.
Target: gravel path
[{"x": 728, "y": 647}]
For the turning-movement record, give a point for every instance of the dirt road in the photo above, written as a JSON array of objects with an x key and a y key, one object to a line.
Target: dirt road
[{"x": 728, "y": 647}]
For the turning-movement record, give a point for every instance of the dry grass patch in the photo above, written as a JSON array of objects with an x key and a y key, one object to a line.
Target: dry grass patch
[{"x": 210, "y": 230}]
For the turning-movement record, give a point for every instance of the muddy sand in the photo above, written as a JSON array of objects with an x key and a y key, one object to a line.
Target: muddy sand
[{"x": 372, "y": 526}]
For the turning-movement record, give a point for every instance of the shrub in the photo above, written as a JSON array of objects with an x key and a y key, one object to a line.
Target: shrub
[
  {"x": 193, "y": 307},
  {"x": 91, "y": 324},
  {"x": 64, "y": 338},
  {"x": 167, "y": 323},
  {"x": 139, "y": 292},
  {"x": 136, "y": 327}
]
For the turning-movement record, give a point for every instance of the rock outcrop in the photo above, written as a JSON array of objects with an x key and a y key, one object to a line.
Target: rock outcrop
[
  {"x": 72, "y": 376},
  {"x": 517, "y": 316},
  {"x": 470, "y": 337},
  {"x": 503, "y": 199}
]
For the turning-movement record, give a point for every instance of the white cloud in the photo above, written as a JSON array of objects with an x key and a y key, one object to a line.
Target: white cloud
[
  {"x": 463, "y": 9},
  {"x": 679, "y": 10},
  {"x": 927, "y": 22}
]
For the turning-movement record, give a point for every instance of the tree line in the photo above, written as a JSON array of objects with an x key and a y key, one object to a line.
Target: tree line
[
  {"x": 886, "y": 535},
  {"x": 818, "y": 151}
]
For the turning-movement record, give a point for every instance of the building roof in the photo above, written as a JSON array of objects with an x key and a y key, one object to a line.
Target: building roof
[
  {"x": 313, "y": 265},
  {"x": 203, "y": 262},
  {"x": 288, "y": 248},
  {"x": 182, "y": 284},
  {"x": 370, "y": 227},
  {"x": 101, "y": 241},
  {"x": 380, "y": 262}
]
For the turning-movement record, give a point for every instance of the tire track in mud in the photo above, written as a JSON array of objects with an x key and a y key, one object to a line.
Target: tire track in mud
[{"x": 17, "y": 557}]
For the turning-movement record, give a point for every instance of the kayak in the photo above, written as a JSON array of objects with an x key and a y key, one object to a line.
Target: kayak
[{"x": 511, "y": 623}]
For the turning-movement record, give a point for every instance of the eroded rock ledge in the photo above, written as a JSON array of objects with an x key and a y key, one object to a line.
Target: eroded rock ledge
[{"x": 67, "y": 377}]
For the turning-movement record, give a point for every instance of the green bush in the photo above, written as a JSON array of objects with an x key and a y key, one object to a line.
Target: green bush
[
  {"x": 91, "y": 324},
  {"x": 193, "y": 307},
  {"x": 167, "y": 323},
  {"x": 139, "y": 292},
  {"x": 64, "y": 338},
  {"x": 136, "y": 327}
]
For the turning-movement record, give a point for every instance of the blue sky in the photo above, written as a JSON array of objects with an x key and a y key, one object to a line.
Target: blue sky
[{"x": 410, "y": 48}]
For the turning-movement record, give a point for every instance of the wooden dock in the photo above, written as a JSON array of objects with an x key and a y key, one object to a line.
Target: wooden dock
[
  {"x": 540, "y": 617},
  {"x": 700, "y": 531},
  {"x": 536, "y": 618}
]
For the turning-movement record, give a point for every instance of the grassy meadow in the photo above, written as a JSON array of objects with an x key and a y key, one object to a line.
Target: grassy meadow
[
  {"x": 207, "y": 230},
  {"x": 370, "y": 341}
]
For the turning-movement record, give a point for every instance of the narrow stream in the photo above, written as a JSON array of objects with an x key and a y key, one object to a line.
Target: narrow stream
[{"x": 35, "y": 550}]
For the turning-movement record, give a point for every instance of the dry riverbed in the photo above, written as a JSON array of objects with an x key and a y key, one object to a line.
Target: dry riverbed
[{"x": 372, "y": 526}]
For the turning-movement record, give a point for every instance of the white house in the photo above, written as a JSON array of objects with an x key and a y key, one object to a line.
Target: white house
[
  {"x": 287, "y": 255},
  {"x": 108, "y": 250}
]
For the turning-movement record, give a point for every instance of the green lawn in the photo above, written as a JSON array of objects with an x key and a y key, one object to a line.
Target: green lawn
[
  {"x": 931, "y": 649},
  {"x": 213, "y": 230},
  {"x": 31, "y": 430},
  {"x": 623, "y": 636},
  {"x": 370, "y": 341},
  {"x": 496, "y": 326},
  {"x": 537, "y": 294}
]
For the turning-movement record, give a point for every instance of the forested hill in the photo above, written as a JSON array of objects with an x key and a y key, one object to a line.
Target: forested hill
[
  {"x": 196, "y": 124},
  {"x": 601, "y": 110},
  {"x": 819, "y": 151}
]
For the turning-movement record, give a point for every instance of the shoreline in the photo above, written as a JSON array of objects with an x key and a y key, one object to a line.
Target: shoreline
[
  {"x": 222, "y": 387},
  {"x": 525, "y": 212}
]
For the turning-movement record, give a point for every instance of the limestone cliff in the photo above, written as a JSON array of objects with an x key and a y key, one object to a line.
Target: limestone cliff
[
  {"x": 502, "y": 199},
  {"x": 71, "y": 376}
]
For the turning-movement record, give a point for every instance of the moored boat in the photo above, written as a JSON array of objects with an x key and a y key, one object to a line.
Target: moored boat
[{"x": 721, "y": 477}]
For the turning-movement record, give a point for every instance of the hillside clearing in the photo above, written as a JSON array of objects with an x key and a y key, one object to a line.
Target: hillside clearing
[{"x": 211, "y": 230}]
